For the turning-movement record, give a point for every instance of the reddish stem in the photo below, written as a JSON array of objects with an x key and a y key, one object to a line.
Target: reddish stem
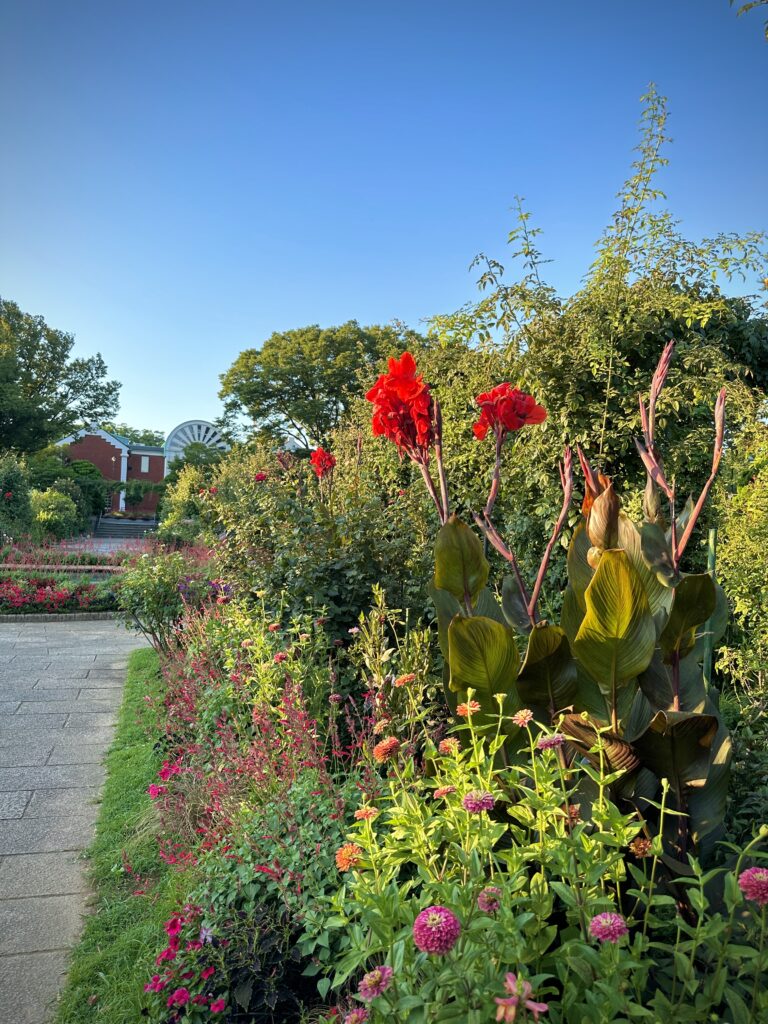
[
  {"x": 439, "y": 459},
  {"x": 566, "y": 481}
]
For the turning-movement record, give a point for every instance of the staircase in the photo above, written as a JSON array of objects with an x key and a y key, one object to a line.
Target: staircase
[{"x": 124, "y": 529}]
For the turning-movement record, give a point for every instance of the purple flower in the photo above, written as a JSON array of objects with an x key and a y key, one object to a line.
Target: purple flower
[
  {"x": 489, "y": 899},
  {"x": 608, "y": 927},
  {"x": 551, "y": 742},
  {"x": 478, "y": 801},
  {"x": 375, "y": 983},
  {"x": 436, "y": 930},
  {"x": 754, "y": 884}
]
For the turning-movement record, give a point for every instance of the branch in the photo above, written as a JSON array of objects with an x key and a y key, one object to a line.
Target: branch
[
  {"x": 492, "y": 535},
  {"x": 566, "y": 482},
  {"x": 717, "y": 455}
]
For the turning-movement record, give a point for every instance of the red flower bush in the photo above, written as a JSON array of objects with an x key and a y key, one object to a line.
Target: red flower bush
[
  {"x": 403, "y": 409},
  {"x": 504, "y": 409},
  {"x": 322, "y": 462}
]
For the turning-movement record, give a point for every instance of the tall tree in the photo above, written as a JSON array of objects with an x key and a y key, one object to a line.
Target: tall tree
[
  {"x": 300, "y": 382},
  {"x": 136, "y": 435},
  {"x": 44, "y": 392}
]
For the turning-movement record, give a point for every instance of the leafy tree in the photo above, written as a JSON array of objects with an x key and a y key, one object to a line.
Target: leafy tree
[
  {"x": 135, "y": 435},
  {"x": 750, "y": 6},
  {"x": 44, "y": 392},
  {"x": 66, "y": 485},
  {"x": 300, "y": 382},
  {"x": 54, "y": 515}
]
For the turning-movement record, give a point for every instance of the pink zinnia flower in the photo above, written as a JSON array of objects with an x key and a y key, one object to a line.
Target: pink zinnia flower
[
  {"x": 478, "y": 801},
  {"x": 280, "y": 657},
  {"x": 358, "y": 1016},
  {"x": 754, "y": 884},
  {"x": 442, "y": 791},
  {"x": 471, "y": 707},
  {"x": 608, "y": 927},
  {"x": 179, "y": 998},
  {"x": 523, "y": 718},
  {"x": 489, "y": 899},
  {"x": 449, "y": 746},
  {"x": 386, "y": 749},
  {"x": 520, "y": 991},
  {"x": 436, "y": 930},
  {"x": 375, "y": 983},
  {"x": 366, "y": 813},
  {"x": 550, "y": 742},
  {"x": 217, "y": 1006}
]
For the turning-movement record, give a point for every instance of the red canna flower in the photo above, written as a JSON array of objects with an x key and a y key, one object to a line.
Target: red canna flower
[
  {"x": 402, "y": 409},
  {"x": 504, "y": 409},
  {"x": 322, "y": 462}
]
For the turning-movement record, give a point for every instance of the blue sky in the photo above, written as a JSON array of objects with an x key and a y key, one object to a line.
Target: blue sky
[{"x": 179, "y": 180}]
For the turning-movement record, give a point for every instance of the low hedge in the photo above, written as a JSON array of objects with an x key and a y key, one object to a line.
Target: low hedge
[{"x": 44, "y": 592}]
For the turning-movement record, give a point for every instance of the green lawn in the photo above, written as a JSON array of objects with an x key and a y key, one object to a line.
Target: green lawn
[{"x": 116, "y": 954}]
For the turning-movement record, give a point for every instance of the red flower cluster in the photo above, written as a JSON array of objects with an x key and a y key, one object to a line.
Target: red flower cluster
[
  {"x": 322, "y": 462},
  {"x": 8, "y": 495},
  {"x": 402, "y": 409},
  {"x": 503, "y": 409}
]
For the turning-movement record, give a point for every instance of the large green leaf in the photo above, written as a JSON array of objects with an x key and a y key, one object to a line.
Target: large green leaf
[
  {"x": 513, "y": 605},
  {"x": 657, "y": 684},
  {"x": 548, "y": 676},
  {"x": 659, "y": 596},
  {"x": 580, "y": 572},
  {"x": 694, "y": 602},
  {"x": 487, "y": 605},
  {"x": 483, "y": 656},
  {"x": 676, "y": 746},
  {"x": 461, "y": 568},
  {"x": 706, "y": 805},
  {"x": 446, "y": 607},
  {"x": 657, "y": 554},
  {"x": 616, "y": 639}
]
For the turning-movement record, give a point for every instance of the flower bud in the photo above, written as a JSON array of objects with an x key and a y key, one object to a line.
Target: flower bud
[{"x": 603, "y": 523}]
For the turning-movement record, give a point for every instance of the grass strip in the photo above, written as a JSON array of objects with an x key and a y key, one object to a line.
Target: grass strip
[{"x": 115, "y": 956}]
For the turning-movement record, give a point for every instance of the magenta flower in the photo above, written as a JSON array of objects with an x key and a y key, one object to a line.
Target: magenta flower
[
  {"x": 436, "y": 930},
  {"x": 478, "y": 801},
  {"x": 551, "y": 742},
  {"x": 608, "y": 927},
  {"x": 754, "y": 884},
  {"x": 358, "y": 1016},
  {"x": 375, "y": 983},
  {"x": 155, "y": 791},
  {"x": 489, "y": 899},
  {"x": 519, "y": 991},
  {"x": 218, "y": 1006},
  {"x": 179, "y": 998}
]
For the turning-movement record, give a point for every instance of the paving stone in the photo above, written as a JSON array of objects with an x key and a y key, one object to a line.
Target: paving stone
[
  {"x": 20, "y": 691},
  {"x": 29, "y": 984},
  {"x": 50, "y": 776},
  {"x": 9, "y": 707},
  {"x": 42, "y": 874},
  {"x": 110, "y": 695},
  {"x": 52, "y": 802},
  {"x": 78, "y": 753},
  {"x": 59, "y": 682},
  {"x": 64, "y": 707},
  {"x": 19, "y": 728},
  {"x": 46, "y": 835},
  {"x": 40, "y": 923},
  {"x": 13, "y": 805},
  {"x": 91, "y": 720},
  {"x": 25, "y": 755}
]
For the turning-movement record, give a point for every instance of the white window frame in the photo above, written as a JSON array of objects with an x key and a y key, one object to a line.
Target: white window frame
[{"x": 144, "y": 463}]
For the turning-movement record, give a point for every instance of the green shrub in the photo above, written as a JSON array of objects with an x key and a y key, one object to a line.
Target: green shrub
[
  {"x": 15, "y": 505},
  {"x": 183, "y": 502},
  {"x": 65, "y": 485},
  {"x": 54, "y": 514}
]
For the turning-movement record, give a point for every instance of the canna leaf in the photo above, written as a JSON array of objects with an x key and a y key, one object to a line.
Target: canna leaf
[
  {"x": 676, "y": 746},
  {"x": 483, "y": 656},
  {"x": 548, "y": 676},
  {"x": 461, "y": 568},
  {"x": 513, "y": 606},
  {"x": 616, "y": 639}
]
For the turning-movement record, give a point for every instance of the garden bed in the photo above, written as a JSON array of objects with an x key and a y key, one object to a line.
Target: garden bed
[{"x": 45, "y": 593}]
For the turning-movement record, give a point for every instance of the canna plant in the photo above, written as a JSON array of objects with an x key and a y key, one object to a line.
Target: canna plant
[{"x": 621, "y": 674}]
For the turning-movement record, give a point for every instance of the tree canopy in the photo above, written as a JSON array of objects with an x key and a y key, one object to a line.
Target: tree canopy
[
  {"x": 136, "y": 435},
  {"x": 44, "y": 392},
  {"x": 300, "y": 382}
]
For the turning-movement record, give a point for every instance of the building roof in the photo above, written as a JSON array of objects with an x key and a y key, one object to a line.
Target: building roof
[{"x": 146, "y": 449}]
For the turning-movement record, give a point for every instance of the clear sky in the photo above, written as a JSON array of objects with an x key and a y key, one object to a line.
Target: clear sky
[{"x": 180, "y": 179}]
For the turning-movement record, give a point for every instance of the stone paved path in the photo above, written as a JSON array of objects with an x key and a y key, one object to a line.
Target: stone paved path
[{"x": 60, "y": 689}]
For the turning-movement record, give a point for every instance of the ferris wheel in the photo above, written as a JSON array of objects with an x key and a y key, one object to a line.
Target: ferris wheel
[{"x": 191, "y": 432}]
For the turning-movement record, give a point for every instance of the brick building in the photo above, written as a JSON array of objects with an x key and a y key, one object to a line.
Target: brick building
[{"x": 119, "y": 459}]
